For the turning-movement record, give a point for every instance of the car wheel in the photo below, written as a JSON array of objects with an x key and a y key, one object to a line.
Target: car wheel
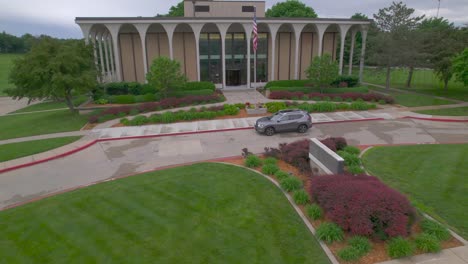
[
  {"x": 302, "y": 129},
  {"x": 269, "y": 131}
]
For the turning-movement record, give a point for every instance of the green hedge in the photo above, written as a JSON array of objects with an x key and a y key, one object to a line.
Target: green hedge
[
  {"x": 317, "y": 90},
  {"x": 287, "y": 83},
  {"x": 199, "y": 86},
  {"x": 122, "y": 99}
]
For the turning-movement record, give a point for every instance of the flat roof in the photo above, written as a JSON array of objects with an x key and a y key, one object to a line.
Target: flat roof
[{"x": 139, "y": 18}]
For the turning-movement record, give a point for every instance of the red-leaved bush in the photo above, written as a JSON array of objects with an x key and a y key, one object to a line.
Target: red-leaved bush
[
  {"x": 362, "y": 205},
  {"x": 354, "y": 96}
]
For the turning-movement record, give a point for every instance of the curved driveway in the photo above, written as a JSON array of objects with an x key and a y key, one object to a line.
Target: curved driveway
[{"x": 113, "y": 159}]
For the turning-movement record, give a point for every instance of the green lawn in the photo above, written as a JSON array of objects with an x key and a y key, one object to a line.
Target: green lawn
[
  {"x": 15, "y": 126},
  {"x": 204, "y": 213},
  {"x": 6, "y": 62},
  {"x": 458, "y": 111},
  {"x": 424, "y": 81},
  {"x": 23, "y": 149},
  {"x": 412, "y": 100},
  {"x": 434, "y": 176},
  {"x": 51, "y": 105}
]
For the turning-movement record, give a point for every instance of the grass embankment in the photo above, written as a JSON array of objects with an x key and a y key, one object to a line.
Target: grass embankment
[
  {"x": 204, "y": 213},
  {"x": 411, "y": 99},
  {"x": 434, "y": 176},
  {"x": 15, "y": 126},
  {"x": 22, "y": 149},
  {"x": 6, "y": 63},
  {"x": 458, "y": 111},
  {"x": 52, "y": 105}
]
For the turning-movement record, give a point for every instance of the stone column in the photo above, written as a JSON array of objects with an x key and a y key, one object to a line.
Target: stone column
[
  {"x": 343, "y": 31},
  {"x": 114, "y": 31},
  {"x": 170, "y": 33},
  {"x": 363, "y": 51},
  {"x": 321, "y": 28},
  {"x": 297, "y": 33},
  {"x": 86, "y": 29},
  {"x": 223, "y": 30},
  {"x": 248, "y": 37},
  {"x": 142, "y": 28},
  {"x": 351, "y": 52},
  {"x": 106, "y": 56},
  {"x": 111, "y": 55},
  {"x": 101, "y": 55},
  {"x": 273, "y": 31},
  {"x": 93, "y": 42},
  {"x": 196, "y": 28}
]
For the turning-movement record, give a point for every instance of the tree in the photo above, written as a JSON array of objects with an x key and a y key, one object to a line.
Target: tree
[
  {"x": 322, "y": 71},
  {"x": 175, "y": 11},
  {"x": 392, "y": 45},
  {"x": 55, "y": 70},
  {"x": 290, "y": 8},
  {"x": 165, "y": 74},
  {"x": 460, "y": 67},
  {"x": 357, "y": 43}
]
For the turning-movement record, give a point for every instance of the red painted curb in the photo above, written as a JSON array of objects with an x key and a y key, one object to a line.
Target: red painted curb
[{"x": 436, "y": 119}]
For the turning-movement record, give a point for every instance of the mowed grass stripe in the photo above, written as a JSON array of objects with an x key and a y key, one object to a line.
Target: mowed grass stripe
[{"x": 202, "y": 213}]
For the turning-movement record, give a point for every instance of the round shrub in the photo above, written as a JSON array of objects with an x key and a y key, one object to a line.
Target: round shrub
[
  {"x": 435, "y": 229},
  {"x": 270, "y": 160},
  {"x": 280, "y": 175},
  {"x": 349, "y": 159},
  {"x": 252, "y": 161},
  {"x": 329, "y": 232},
  {"x": 139, "y": 120},
  {"x": 360, "y": 243},
  {"x": 291, "y": 184},
  {"x": 427, "y": 243},
  {"x": 355, "y": 169},
  {"x": 314, "y": 211},
  {"x": 399, "y": 247},
  {"x": 352, "y": 150},
  {"x": 301, "y": 197},
  {"x": 349, "y": 254},
  {"x": 269, "y": 169}
]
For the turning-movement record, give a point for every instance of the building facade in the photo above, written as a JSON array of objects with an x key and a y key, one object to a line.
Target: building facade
[{"x": 213, "y": 42}]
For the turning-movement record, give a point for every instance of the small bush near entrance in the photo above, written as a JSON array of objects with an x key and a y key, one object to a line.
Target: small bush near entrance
[
  {"x": 399, "y": 247},
  {"x": 362, "y": 205},
  {"x": 287, "y": 83},
  {"x": 301, "y": 197},
  {"x": 270, "y": 169},
  {"x": 291, "y": 184},
  {"x": 349, "y": 80},
  {"x": 435, "y": 229},
  {"x": 314, "y": 211},
  {"x": 427, "y": 243},
  {"x": 252, "y": 161},
  {"x": 329, "y": 232}
]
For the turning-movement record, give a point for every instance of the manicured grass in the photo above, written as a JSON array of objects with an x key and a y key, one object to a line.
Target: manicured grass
[
  {"x": 459, "y": 111},
  {"x": 360, "y": 89},
  {"x": 412, "y": 100},
  {"x": 204, "y": 213},
  {"x": 434, "y": 176},
  {"x": 23, "y": 149},
  {"x": 15, "y": 126},
  {"x": 6, "y": 63},
  {"x": 51, "y": 105},
  {"x": 424, "y": 81}
]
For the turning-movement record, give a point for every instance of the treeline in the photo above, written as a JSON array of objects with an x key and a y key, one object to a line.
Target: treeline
[{"x": 13, "y": 44}]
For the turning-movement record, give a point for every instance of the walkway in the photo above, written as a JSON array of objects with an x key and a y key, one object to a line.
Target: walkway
[
  {"x": 458, "y": 255},
  {"x": 8, "y": 105}
]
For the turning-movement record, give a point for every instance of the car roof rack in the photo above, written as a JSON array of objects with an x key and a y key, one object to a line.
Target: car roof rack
[{"x": 289, "y": 110}]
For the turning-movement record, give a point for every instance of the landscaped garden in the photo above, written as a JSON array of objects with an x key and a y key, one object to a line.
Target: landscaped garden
[
  {"x": 189, "y": 214},
  {"x": 433, "y": 176},
  {"x": 22, "y": 149}
]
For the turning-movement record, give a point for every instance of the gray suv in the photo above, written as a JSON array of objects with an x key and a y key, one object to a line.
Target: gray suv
[{"x": 284, "y": 120}]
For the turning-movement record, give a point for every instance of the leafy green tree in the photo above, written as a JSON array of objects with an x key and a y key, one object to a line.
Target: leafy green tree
[
  {"x": 175, "y": 11},
  {"x": 460, "y": 67},
  {"x": 322, "y": 71},
  {"x": 55, "y": 70},
  {"x": 395, "y": 25},
  {"x": 165, "y": 75},
  {"x": 291, "y": 8},
  {"x": 357, "y": 43}
]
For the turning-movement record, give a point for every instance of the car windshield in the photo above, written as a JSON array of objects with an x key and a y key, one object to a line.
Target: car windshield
[{"x": 276, "y": 116}]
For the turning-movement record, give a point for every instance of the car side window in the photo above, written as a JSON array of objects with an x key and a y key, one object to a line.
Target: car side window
[
  {"x": 284, "y": 118},
  {"x": 294, "y": 117}
]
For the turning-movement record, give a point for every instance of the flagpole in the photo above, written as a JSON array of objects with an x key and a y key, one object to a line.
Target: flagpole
[{"x": 255, "y": 48}]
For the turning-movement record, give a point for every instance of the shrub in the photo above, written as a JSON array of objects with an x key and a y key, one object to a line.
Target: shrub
[
  {"x": 296, "y": 154},
  {"x": 435, "y": 229},
  {"x": 360, "y": 243},
  {"x": 362, "y": 205},
  {"x": 102, "y": 101},
  {"x": 329, "y": 232},
  {"x": 270, "y": 160},
  {"x": 116, "y": 88},
  {"x": 349, "y": 254},
  {"x": 199, "y": 86},
  {"x": 281, "y": 175},
  {"x": 399, "y": 247},
  {"x": 350, "y": 159},
  {"x": 314, "y": 211},
  {"x": 139, "y": 120},
  {"x": 351, "y": 81},
  {"x": 183, "y": 93},
  {"x": 231, "y": 109},
  {"x": 357, "y": 105},
  {"x": 147, "y": 89},
  {"x": 427, "y": 243},
  {"x": 352, "y": 150},
  {"x": 355, "y": 169},
  {"x": 123, "y": 99},
  {"x": 252, "y": 161},
  {"x": 287, "y": 83},
  {"x": 273, "y": 107},
  {"x": 291, "y": 184},
  {"x": 270, "y": 169},
  {"x": 381, "y": 101},
  {"x": 301, "y": 197},
  {"x": 334, "y": 143}
]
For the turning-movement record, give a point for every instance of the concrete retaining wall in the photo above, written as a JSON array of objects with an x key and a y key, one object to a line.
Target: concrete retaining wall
[{"x": 323, "y": 160}]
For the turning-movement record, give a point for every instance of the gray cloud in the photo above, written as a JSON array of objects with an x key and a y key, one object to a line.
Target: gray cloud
[{"x": 56, "y": 18}]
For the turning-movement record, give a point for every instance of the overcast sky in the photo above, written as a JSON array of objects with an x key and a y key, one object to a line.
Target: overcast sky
[{"x": 56, "y": 17}]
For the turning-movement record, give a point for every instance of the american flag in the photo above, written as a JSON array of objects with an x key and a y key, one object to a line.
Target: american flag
[{"x": 255, "y": 33}]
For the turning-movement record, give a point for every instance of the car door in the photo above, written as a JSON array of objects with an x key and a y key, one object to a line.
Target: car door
[
  {"x": 282, "y": 124},
  {"x": 292, "y": 122}
]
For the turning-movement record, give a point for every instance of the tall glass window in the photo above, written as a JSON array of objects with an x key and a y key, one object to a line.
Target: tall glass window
[
  {"x": 236, "y": 59},
  {"x": 262, "y": 59},
  {"x": 210, "y": 57}
]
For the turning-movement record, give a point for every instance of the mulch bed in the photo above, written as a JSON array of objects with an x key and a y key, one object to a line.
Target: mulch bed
[{"x": 378, "y": 253}]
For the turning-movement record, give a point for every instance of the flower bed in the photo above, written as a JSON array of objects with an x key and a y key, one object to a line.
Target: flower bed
[
  {"x": 121, "y": 111},
  {"x": 338, "y": 97}
]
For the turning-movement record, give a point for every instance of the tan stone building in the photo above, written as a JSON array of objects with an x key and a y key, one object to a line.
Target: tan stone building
[{"x": 213, "y": 42}]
